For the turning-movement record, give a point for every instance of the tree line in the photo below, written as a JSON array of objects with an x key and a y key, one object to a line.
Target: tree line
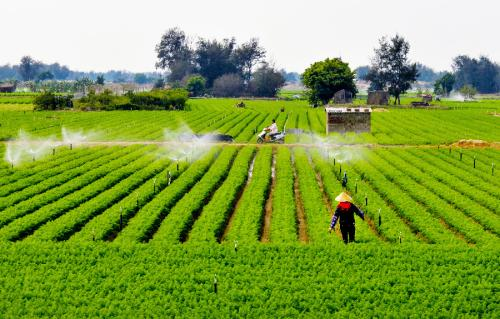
[
  {"x": 217, "y": 67},
  {"x": 30, "y": 69}
]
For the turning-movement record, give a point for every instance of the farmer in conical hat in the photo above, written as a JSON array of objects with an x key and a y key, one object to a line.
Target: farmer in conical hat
[{"x": 345, "y": 211}]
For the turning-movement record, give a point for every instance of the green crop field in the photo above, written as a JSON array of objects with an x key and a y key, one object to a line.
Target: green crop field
[{"x": 106, "y": 214}]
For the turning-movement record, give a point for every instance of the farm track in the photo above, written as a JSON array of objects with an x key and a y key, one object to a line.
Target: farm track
[
  {"x": 493, "y": 145},
  {"x": 268, "y": 208},
  {"x": 301, "y": 216}
]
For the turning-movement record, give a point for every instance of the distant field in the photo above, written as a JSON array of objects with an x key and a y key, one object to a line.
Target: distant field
[{"x": 470, "y": 120}]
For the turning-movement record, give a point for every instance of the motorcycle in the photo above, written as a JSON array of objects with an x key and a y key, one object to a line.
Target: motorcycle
[{"x": 264, "y": 137}]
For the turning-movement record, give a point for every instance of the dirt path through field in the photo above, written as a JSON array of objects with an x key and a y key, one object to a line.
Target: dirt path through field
[
  {"x": 301, "y": 216},
  {"x": 459, "y": 144},
  {"x": 266, "y": 228},
  {"x": 326, "y": 201}
]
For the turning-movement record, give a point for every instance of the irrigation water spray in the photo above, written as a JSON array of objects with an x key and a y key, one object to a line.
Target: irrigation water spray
[
  {"x": 183, "y": 144},
  {"x": 25, "y": 148}
]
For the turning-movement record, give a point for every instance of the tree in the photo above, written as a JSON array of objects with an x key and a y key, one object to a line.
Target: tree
[
  {"x": 196, "y": 85},
  {"x": 60, "y": 72},
  {"x": 426, "y": 74},
  {"x": 214, "y": 58},
  {"x": 140, "y": 78},
  {"x": 159, "y": 83},
  {"x": 479, "y": 73},
  {"x": 174, "y": 54},
  {"x": 468, "y": 92},
  {"x": 444, "y": 84},
  {"x": 228, "y": 85},
  {"x": 100, "y": 80},
  {"x": 291, "y": 77},
  {"x": 46, "y": 75},
  {"x": 266, "y": 81},
  {"x": 361, "y": 72},
  {"x": 391, "y": 68},
  {"x": 325, "y": 78},
  {"x": 83, "y": 84},
  {"x": 29, "y": 68},
  {"x": 246, "y": 56}
]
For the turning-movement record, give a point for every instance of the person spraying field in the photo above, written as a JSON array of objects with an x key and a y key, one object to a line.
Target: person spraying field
[{"x": 345, "y": 212}]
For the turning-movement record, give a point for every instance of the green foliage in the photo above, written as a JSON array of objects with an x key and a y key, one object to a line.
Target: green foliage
[
  {"x": 149, "y": 218},
  {"x": 159, "y": 99},
  {"x": 249, "y": 215},
  {"x": 482, "y": 74},
  {"x": 46, "y": 75},
  {"x": 266, "y": 81},
  {"x": 391, "y": 68},
  {"x": 196, "y": 85},
  {"x": 215, "y": 215},
  {"x": 468, "y": 92},
  {"x": 228, "y": 85},
  {"x": 159, "y": 83},
  {"x": 285, "y": 281},
  {"x": 180, "y": 219},
  {"x": 283, "y": 221},
  {"x": 141, "y": 78},
  {"x": 153, "y": 100},
  {"x": 100, "y": 80},
  {"x": 444, "y": 84},
  {"x": 325, "y": 78},
  {"x": 50, "y": 101}
]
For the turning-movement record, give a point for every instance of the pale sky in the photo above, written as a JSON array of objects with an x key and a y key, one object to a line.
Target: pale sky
[{"x": 101, "y": 35}]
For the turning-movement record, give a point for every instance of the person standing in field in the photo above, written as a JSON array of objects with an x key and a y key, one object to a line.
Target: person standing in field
[{"x": 345, "y": 212}]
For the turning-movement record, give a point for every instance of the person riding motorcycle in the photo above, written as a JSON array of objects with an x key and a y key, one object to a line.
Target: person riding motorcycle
[{"x": 271, "y": 130}]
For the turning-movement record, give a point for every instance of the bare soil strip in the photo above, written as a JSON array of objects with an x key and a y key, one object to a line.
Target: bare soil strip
[
  {"x": 326, "y": 201},
  {"x": 301, "y": 216},
  {"x": 238, "y": 200},
  {"x": 266, "y": 227}
]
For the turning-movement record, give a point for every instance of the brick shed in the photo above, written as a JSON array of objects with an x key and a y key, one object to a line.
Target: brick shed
[{"x": 348, "y": 119}]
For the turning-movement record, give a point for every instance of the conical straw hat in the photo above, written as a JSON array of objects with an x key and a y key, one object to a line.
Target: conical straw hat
[{"x": 343, "y": 197}]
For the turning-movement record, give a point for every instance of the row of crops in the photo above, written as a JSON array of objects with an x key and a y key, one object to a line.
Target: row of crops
[
  {"x": 243, "y": 195},
  {"x": 305, "y": 125},
  {"x": 96, "y": 280}
]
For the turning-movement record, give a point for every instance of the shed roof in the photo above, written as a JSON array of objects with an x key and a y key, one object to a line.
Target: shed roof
[{"x": 330, "y": 109}]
